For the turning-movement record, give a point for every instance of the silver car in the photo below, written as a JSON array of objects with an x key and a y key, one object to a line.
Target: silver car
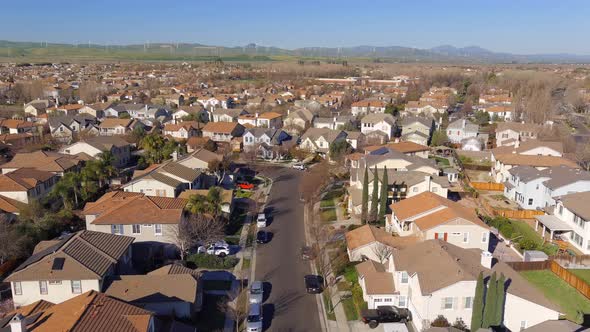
[
  {"x": 256, "y": 292},
  {"x": 255, "y": 318}
]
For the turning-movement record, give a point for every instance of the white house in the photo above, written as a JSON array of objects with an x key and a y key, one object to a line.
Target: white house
[
  {"x": 461, "y": 129},
  {"x": 320, "y": 139},
  {"x": 379, "y": 122},
  {"x": 95, "y": 146}
]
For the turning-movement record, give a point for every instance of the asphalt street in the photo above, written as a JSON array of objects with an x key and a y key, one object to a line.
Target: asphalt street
[{"x": 287, "y": 306}]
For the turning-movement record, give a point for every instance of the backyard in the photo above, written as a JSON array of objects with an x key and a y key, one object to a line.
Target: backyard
[
  {"x": 520, "y": 232},
  {"x": 329, "y": 204},
  {"x": 583, "y": 274},
  {"x": 558, "y": 291}
]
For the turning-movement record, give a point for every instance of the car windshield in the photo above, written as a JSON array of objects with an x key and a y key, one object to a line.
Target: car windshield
[
  {"x": 256, "y": 291},
  {"x": 253, "y": 318}
]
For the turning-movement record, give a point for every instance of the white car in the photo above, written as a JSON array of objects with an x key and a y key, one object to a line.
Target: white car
[
  {"x": 261, "y": 220},
  {"x": 256, "y": 292},
  {"x": 215, "y": 249},
  {"x": 299, "y": 166}
]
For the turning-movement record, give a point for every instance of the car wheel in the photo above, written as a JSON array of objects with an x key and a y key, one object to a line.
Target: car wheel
[
  {"x": 403, "y": 321},
  {"x": 222, "y": 254},
  {"x": 373, "y": 324}
]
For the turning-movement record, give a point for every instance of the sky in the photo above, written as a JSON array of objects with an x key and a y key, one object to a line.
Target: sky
[{"x": 514, "y": 26}]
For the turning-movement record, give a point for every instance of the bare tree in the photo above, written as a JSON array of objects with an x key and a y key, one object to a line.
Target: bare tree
[
  {"x": 382, "y": 251},
  {"x": 196, "y": 229}
]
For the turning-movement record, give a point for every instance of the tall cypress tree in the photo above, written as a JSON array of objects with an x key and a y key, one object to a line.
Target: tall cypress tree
[
  {"x": 500, "y": 297},
  {"x": 477, "y": 310},
  {"x": 489, "y": 311},
  {"x": 365, "y": 197},
  {"x": 373, "y": 215},
  {"x": 383, "y": 198}
]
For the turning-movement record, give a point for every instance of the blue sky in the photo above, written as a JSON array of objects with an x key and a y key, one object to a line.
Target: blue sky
[{"x": 517, "y": 26}]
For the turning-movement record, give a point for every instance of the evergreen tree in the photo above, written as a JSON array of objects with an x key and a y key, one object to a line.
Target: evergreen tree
[
  {"x": 477, "y": 310},
  {"x": 489, "y": 312},
  {"x": 365, "y": 197},
  {"x": 383, "y": 198},
  {"x": 373, "y": 215},
  {"x": 500, "y": 297}
]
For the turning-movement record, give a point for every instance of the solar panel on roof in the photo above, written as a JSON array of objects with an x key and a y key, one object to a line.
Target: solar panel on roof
[{"x": 58, "y": 263}]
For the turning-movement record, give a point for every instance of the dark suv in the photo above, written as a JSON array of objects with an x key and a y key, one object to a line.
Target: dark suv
[
  {"x": 314, "y": 284},
  {"x": 385, "y": 314}
]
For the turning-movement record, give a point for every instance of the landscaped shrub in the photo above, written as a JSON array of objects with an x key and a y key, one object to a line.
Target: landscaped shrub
[{"x": 205, "y": 261}]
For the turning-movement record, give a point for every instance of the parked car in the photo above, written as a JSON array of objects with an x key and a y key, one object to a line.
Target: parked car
[
  {"x": 299, "y": 166},
  {"x": 385, "y": 314},
  {"x": 255, "y": 318},
  {"x": 262, "y": 237},
  {"x": 256, "y": 292},
  {"x": 307, "y": 253},
  {"x": 261, "y": 220},
  {"x": 314, "y": 284},
  {"x": 245, "y": 185},
  {"x": 214, "y": 249}
]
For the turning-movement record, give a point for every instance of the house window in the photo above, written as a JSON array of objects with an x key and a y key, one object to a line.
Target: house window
[
  {"x": 468, "y": 304},
  {"x": 402, "y": 302},
  {"x": 76, "y": 287},
  {"x": 117, "y": 229},
  {"x": 158, "y": 229},
  {"x": 43, "y": 287},
  {"x": 434, "y": 189},
  {"x": 523, "y": 325},
  {"x": 447, "y": 303},
  {"x": 136, "y": 229},
  {"x": 18, "y": 288},
  {"x": 530, "y": 201},
  {"x": 404, "y": 278},
  {"x": 388, "y": 300},
  {"x": 465, "y": 237},
  {"x": 378, "y": 300}
]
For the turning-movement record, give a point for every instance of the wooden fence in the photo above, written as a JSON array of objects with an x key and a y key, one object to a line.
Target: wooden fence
[
  {"x": 489, "y": 186},
  {"x": 580, "y": 285},
  {"x": 512, "y": 214}
]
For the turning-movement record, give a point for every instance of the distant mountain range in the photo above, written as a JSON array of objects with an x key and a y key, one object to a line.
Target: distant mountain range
[{"x": 179, "y": 51}]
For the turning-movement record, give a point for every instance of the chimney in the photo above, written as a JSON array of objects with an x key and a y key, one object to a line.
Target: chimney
[
  {"x": 486, "y": 259},
  {"x": 17, "y": 324}
]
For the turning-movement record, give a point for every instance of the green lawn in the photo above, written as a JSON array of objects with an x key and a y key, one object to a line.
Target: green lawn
[
  {"x": 583, "y": 274},
  {"x": 327, "y": 203},
  {"x": 560, "y": 293},
  {"x": 328, "y": 215},
  {"x": 350, "y": 309},
  {"x": 243, "y": 193},
  {"x": 444, "y": 162},
  {"x": 245, "y": 263}
]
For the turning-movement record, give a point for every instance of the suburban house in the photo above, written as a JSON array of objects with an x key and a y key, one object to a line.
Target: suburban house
[
  {"x": 95, "y": 146},
  {"x": 65, "y": 128},
  {"x": 90, "y": 311},
  {"x": 264, "y": 120},
  {"x": 400, "y": 185},
  {"x": 182, "y": 130},
  {"x": 96, "y": 110},
  {"x": 498, "y": 111},
  {"x": 53, "y": 162},
  {"x": 147, "y": 219},
  {"x": 298, "y": 120},
  {"x": 393, "y": 160},
  {"x": 166, "y": 180},
  {"x": 200, "y": 159},
  {"x": 197, "y": 112},
  {"x": 368, "y": 106},
  {"x": 355, "y": 138},
  {"x": 266, "y": 142},
  {"x": 434, "y": 277},
  {"x": 508, "y": 133},
  {"x": 15, "y": 126},
  {"x": 504, "y": 162},
  {"x": 319, "y": 140},
  {"x": 410, "y": 149},
  {"x": 113, "y": 126},
  {"x": 70, "y": 265},
  {"x": 535, "y": 189},
  {"x": 36, "y": 107},
  {"x": 381, "y": 123},
  {"x": 368, "y": 241},
  {"x": 337, "y": 122},
  {"x": 227, "y": 115},
  {"x": 171, "y": 290},
  {"x": 430, "y": 216},
  {"x": 569, "y": 220},
  {"x": 426, "y": 108},
  {"x": 531, "y": 148},
  {"x": 222, "y": 131},
  {"x": 417, "y": 129},
  {"x": 26, "y": 184},
  {"x": 460, "y": 130}
]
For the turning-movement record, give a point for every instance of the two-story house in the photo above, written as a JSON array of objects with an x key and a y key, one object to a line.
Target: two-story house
[
  {"x": 148, "y": 219},
  {"x": 298, "y": 120},
  {"x": 166, "y": 180},
  {"x": 182, "y": 130},
  {"x": 430, "y": 216},
  {"x": 70, "y": 265},
  {"x": 508, "y": 133},
  {"x": 57, "y": 163},
  {"x": 319, "y": 140},
  {"x": 417, "y": 129},
  {"x": 378, "y": 123},
  {"x": 436, "y": 278},
  {"x": 227, "y": 115},
  {"x": 266, "y": 142},
  {"x": 113, "y": 126},
  {"x": 368, "y": 106},
  {"x": 95, "y": 146},
  {"x": 27, "y": 184},
  {"x": 337, "y": 122},
  {"x": 460, "y": 130},
  {"x": 223, "y": 131},
  {"x": 264, "y": 120}
]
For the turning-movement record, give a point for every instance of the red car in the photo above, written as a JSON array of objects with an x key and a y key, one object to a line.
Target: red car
[{"x": 245, "y": 185}]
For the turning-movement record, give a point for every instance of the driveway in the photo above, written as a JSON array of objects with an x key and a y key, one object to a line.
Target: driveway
[{"x": 287, "y": 306}]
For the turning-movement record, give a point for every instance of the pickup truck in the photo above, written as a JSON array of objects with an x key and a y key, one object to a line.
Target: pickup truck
[{"x": 385, "y": 314}]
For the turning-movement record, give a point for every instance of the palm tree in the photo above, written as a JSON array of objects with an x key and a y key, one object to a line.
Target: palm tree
[
  {"x": 72, "y": 181},
  {"x": 197, "y": 204},
  {"x": 62, "y": 190},
  {"x": 107, "y": 168}
]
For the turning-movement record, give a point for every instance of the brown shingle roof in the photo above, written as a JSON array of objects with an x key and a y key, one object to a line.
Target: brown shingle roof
[
  {"x": 154, "y": 288},
  {"x": 114, "y": 122},
  {"x": 23, "y": 179},
  {"x": 44, "y": 161},
  {"x": 220, "y": 127},
  {"x": 377, "y": 279},
  {"x": 368, "y": 234},
  {"x": 535, "y": 161}
]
